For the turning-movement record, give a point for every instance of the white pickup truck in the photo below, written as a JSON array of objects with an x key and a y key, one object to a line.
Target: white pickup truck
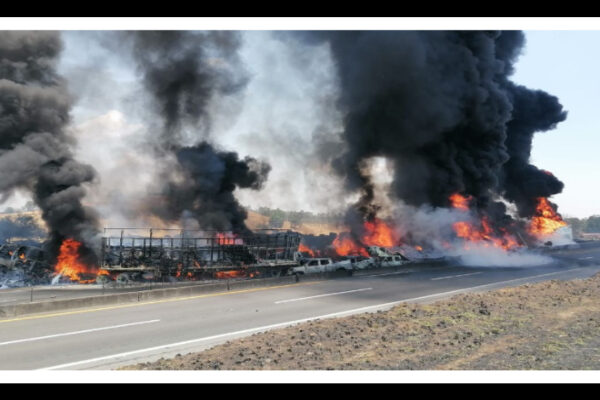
[
  {"x": 380, "y": 257},
  {"x": 316, "y": 265},
  {"x": 384, "y": 258},
  {"x": 391, "y": 261},
  {"x": 357, "y": 262}
]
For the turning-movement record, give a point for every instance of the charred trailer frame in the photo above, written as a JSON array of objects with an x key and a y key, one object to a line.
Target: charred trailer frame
[{"x": 199, "y": 254}]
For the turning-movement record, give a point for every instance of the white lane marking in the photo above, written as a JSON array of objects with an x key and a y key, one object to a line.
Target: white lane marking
[
  {"x": 33, "y": 339},
  {"x": 585, "y": 258},
  {"x": 454, "y": 276},
  {"x": 322, "y": 295},
  {"x": 298, "y": 321},
  {"x": 386, "y": 274}
]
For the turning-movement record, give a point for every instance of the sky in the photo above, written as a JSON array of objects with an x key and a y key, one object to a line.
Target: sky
[
  {"x": 566, "y": 64},
  {"x": 108, "y": 107}
]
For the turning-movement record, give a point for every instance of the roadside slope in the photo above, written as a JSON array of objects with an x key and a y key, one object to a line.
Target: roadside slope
[{"x": 548, "y": 325}]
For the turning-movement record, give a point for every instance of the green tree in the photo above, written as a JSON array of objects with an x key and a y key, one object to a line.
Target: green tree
[
  {"x": 277, "y": 218},
  {"x": 592, "y": 225}
]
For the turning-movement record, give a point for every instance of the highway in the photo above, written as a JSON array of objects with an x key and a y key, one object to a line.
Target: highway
[{"x": 108, "y": 337}]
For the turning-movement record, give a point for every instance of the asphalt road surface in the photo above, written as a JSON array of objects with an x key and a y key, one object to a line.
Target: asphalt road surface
[{"x": 123, "y": 334}]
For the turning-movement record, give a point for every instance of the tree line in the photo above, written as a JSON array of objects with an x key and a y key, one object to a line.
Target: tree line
[
  {"x": 585, "y": 225},
  {"x": 277, "y": 217}
]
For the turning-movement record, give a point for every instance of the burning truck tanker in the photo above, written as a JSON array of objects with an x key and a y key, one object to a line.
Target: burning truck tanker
[
  {"x": 157, "y": 254},
  {"x": 190, "y": 254}
]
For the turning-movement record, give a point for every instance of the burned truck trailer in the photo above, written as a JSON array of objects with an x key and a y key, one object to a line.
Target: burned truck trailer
[{"x": 199, "y": 254}]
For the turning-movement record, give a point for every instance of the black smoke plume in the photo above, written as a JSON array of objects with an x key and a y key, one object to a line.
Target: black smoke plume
[
  {"x": 184, "y": 72},
  {"x": 204, "y": 190},
  {"x": 441, "y": 107},
  {"x": 35, "y": 151},
  {"x": 522, "y": 182}
]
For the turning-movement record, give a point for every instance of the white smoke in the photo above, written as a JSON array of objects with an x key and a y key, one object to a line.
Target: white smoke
[
  {"x": 289, "y": 119},
  {"x": 432, "y": 228},
  {"x": 484, "y": 255},
  {"x": 125, "y": 172}
]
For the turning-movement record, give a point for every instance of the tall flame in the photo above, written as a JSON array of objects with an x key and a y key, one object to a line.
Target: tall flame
[
  {"x": 344, "y": 246},
  {"x": 484, "y": 234},
  {"x": 376, "y": 233},
  {"x": 68, "y": 262},
  {"x": 546, "y": 220}
]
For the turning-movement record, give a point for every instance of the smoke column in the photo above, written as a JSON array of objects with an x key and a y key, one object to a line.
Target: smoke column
[
  {"x": 35, "y": 151},
  {"x": 184, "y": 72},
  {"x": 441, "y": 107}
]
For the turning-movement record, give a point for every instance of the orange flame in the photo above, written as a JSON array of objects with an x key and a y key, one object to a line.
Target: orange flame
[
  {"x": 546, "y": 220},
  {"x": 460, "y": 202},
  {"x": 305, "y": 249},
  {"x": 418, "y": 248},
  {"x": 68, "y": 262},
  {"x": 484, "y": 235},
  {"x": 230, "y": 274},
  {"x": 346, "y": 246},
  {"x": 22, "y": 256},
  {"x": 225, "y": 238},
  {"x": 378, "y": 233}
]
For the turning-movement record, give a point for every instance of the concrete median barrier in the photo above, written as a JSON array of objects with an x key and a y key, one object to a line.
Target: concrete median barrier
[{"x": 13, "y": 310}]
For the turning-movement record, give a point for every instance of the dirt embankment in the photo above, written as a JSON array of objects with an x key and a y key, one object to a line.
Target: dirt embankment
[
  {"x": 258, "y": 221},
  {"x": 545, "y": 326}
]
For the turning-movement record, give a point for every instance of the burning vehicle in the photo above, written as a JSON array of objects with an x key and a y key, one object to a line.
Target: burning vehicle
[
  {"x": 22, "y": 265},
  {"x": 313, "y": 265},
  {"x": 379, "y": 257},
  {"x": 200, "y": 254},
  {"x": 320, "y": 265},
  {"x": 387, "y": 258},
  {"x": 436, "y": 109},
  {"x": 358, "y": 262}
]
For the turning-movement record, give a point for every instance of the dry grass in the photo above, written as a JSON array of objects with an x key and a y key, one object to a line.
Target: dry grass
[{"x": 549, "y": 325}]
